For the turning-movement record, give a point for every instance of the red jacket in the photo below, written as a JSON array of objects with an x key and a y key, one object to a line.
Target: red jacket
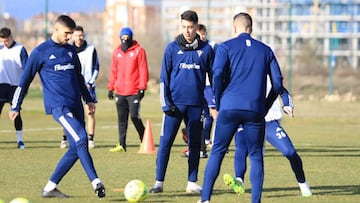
[{"x": 129, "y": 71}]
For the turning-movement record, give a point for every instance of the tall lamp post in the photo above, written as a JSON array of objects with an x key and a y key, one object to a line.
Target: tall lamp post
[
  {"x": 290, "y": 48},
  {"x": 46, "y": 18},
  {"x": 332, "y": 58}
]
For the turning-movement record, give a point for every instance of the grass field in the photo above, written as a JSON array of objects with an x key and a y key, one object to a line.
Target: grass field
[{"x": 326, "y": 135}]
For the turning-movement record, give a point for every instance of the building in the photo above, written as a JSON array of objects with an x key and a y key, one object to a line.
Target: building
[
  {"x": 142, "y": 16},
  {"x": 331, "y": 26}
]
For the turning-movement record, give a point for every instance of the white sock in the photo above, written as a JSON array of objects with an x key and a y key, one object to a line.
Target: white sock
[
  {"x": 19, "y": 136},
  {"x": 159, "y": 184},
  {"x": 240, "y": 179},
  {"x": 190, "y": 183},
  {"x": 95, "y": 182},
  {"x": 304, "y": 186},
  {"x": 50, "y": 186}
]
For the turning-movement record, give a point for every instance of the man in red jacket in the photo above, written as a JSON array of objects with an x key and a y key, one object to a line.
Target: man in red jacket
[{"x": 128, "y": 79}]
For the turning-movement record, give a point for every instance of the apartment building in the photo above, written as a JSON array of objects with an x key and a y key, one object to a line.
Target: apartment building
[{"x": 331, "y": 26}]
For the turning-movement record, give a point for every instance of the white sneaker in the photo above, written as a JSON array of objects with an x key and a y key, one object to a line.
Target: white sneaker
[
  {"x": 305, "y": 189},
  {"x": 91, "y": 144},
  {"x": 192, "y": 187},
  {"x": 64, "y": 144},
  {"x": 207, "y": 201}
]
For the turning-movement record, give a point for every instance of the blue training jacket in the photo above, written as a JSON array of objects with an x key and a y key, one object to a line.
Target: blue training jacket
[
  {"x": 60, "y": 73},
  {"x": 240, "y": 69},
  {"x": 182, "y": 76}
]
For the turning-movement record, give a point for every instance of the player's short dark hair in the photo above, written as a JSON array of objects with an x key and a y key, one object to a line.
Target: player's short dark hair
[
  {"x": 5, "y": 32},
  {"x": 66, "y": 21},
  {"x": 245, "y": 18},
  {"x": 79, "y": 28},
  {"x": 190, "y": 15},
  {"x": 202, "y": 27}
]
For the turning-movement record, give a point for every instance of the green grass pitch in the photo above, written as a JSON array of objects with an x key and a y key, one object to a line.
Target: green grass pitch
[{"x": 325, "y": 134}]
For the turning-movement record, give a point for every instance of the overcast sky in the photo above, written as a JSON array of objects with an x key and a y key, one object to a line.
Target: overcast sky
[{"x": 23, "y": 9}]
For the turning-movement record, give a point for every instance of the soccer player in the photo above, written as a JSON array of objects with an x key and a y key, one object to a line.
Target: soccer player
[
  {"x": 90, "y": 70},
  {"x": 13, "y": 57},
  {"x": 128, "y": 78},
  {"x": 185, "y": 63},
  {"x": 59, "y": 69},
  {"x": 209, "y": 112},
  {"x": 277, "y": 137},
  {"x": 240, "y": 71}
]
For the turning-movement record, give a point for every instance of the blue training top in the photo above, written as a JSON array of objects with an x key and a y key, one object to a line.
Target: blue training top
[
  {"x": 60, "y": 73},
  {"x": 182, "y": 76},
  {"x": 240, "y": 69}
]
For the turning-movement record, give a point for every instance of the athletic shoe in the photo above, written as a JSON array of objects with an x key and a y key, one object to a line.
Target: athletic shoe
[
  {"x": 118, "y": 148},
  {"x": 100, "y": 190},
  {"x": 64, "y": 144},
  {"x": 184, "y": 154},
  {"x": 21, "y": 145},
  {"x": 203, "y": 155},
  {"x": 235, "y": 184},
  {"x": 91, "y": 144},
  {"x": 53, "y": 193},
  {"x": 207, "y": 201},
  {"x": 305, "y": 190},
  {"x": 156, "y": 190},
  {"x": 193, "y": 188}
]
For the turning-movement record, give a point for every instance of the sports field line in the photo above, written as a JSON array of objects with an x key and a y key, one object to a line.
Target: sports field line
[{"x": 59, "y": 128}]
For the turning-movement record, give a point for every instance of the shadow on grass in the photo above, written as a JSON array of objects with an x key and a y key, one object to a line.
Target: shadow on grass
[
  {"x": 313, "y": 151},
  {"x": 320, "y": 151},
  {"x": 325, "y": 190},
  {"x": 32, "y": 144}
]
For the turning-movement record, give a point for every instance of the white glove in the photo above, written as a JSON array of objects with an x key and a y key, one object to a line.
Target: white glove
[{"x": 289, "y": 110}]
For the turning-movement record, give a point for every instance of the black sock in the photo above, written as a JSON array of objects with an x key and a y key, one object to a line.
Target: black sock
[
  {"x": 64, "y": 137},
  {"x": 91, "y": 137}
]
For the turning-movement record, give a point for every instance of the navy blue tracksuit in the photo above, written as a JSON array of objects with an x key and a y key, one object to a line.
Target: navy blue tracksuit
[
  {"x": 182, "y": 83},
  {"x": 240, "y": 72}
]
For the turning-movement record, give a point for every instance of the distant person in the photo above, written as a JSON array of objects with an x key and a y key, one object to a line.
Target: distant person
[
  {"x": 185, "y": 63},
  {"x": 277, "y": 137},
  {"x": 90, "y": 70},
  {"x": 129, "y": 74},
  {"x": 59, "y": 69},
  {"x": 13, "y": 57},
  {"x": 240, "y": 72}
]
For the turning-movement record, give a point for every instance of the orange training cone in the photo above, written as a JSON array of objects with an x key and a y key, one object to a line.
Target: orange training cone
[{"x": 147, "y": 145}]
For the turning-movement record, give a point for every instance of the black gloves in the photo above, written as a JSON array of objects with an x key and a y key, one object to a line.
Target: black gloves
[
  {"x": 141, "y": 94},
  {"x": 173, "y": 111},
  {"x": 111, "y": 94}
]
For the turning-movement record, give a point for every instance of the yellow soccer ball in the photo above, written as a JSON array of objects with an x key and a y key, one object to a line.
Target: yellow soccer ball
[
  {"x": 136, "y": 191},
  {"x": 20, "y": 200}
]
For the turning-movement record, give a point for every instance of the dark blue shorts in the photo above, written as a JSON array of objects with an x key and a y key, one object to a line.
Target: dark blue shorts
[{"x": 7, "y": 92}]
